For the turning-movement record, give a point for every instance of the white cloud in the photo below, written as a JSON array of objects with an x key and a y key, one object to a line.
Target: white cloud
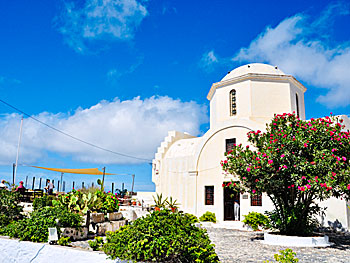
[
  {"x": 134, "y": 127},
  {"x": 301, "y": 46},
  {"x": 100, "y": 19},
  {"x": 208, "y": 61}
]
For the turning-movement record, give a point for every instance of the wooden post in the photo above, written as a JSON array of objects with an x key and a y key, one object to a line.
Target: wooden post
[
  {"x": 82, "y": 185},
  {"x": 122, "y": 186},
  {"x": 73, "y": 185},
  {"x": 58, "y": 185},
  {"x": 61, "y": 180},
  {"x": 112, "y": 188},
  {"x": 26, "y": 181},
  {"x": 103, "y": 178},
  {"x": 64, "y": 186},
  {"x": 92, "y": 184},
  {"x": 33, "y": 182},
  {"x": 13, "y": 173},
  {"x": 40, "y": 183}
]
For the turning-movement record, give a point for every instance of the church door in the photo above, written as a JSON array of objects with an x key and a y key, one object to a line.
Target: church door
[{"x": 229, "y": 197}]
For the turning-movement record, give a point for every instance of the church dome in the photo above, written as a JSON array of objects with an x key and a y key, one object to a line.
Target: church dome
[{"x": 254, "y": 68}]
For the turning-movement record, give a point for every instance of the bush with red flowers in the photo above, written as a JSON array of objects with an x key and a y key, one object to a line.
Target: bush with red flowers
[{"x": 296, "y": 163}]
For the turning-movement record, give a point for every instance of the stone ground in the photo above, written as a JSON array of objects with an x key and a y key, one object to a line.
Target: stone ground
[{"x": 243, "y": 246}]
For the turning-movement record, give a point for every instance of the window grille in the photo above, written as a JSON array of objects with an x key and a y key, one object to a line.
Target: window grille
[
  {"x": 209, "y": 195},
  {"x": 256, "y": 200},
  {"x": 230, "y": 144}
]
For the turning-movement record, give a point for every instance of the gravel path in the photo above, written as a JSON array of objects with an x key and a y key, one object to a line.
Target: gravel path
[{"x": 242, "y": 246}]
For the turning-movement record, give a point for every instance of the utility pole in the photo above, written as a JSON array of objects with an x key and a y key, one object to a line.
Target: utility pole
[
  {"x": 19, "y": 143},
  {"x": 132, "y": 185}
]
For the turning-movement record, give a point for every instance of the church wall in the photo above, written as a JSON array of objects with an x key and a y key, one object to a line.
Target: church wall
[
  {"x": 210, "y": 172},
  {"x": 336, "y": 213},
  {"x": 177, "y": 182},
  {"x": 220, "y": 103},
  {"x": 268, "y": 98},
  {"x": 295, "y": 90}
]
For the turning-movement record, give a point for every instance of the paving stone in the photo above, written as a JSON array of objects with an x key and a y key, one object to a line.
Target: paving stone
[{"x": 243, "y": 246}]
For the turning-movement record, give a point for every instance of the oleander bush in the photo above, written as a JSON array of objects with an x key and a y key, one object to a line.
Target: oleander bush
[
  {"x": 35, "y": 227},
  {"x": 10, "y": 210},
  {"x": 208, "y": 217},
  {"x": 297, "y": 164},
  {"x": 162, "y": 236},
  {"x": 256, "y": 220}
]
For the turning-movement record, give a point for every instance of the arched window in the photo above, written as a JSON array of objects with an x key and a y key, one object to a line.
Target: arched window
[
  {"x": 297, "y": 103},
  {"x": 233, "y": 103}
]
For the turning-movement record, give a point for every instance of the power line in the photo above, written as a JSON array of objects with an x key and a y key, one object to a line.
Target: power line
[{"x": 71, "y": 136}]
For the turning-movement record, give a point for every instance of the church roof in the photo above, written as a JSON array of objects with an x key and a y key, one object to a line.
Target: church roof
[
  {"x": 254, "y": 71},
  {"x": 257, "y": 68}
]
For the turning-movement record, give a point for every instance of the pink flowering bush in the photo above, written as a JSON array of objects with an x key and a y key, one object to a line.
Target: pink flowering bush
[{"x": 296, "y": 163}]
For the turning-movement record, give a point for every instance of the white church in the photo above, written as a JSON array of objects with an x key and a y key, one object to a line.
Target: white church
[{"x": 188, "y": 167}]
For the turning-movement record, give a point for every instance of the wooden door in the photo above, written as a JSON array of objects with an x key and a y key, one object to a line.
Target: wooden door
[{"x": 229, "y": 197}]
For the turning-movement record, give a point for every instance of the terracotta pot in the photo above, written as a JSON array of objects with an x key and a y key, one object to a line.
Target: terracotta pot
[
  {"x": 157, "y": 208},
  {"x": 134, "y": 203}
]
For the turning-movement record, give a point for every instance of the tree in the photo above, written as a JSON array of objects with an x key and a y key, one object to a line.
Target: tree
[{"x": 296, "y": 163}]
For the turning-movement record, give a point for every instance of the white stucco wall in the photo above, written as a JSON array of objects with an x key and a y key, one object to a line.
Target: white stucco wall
[{"x": 24, "y": 252}]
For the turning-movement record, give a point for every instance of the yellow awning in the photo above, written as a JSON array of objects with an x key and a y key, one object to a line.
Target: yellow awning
[{"x": 91, "y": 171}]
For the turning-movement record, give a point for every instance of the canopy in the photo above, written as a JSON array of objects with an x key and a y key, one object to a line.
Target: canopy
[{"x": 92, "y": 171}]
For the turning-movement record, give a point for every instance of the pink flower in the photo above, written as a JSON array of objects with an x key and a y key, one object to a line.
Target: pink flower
[
  {"x": 248, "y": 169},
  {"x": 344, "y": 158},
  {"x": 270, "y": 161},
  {"x": 308, "y": 186},
  {"x": 282, "y": 155},
  {"x": 305, "y": 145},
  {"x": 285, "y": 166},
  {"x": 303, "y": 177},
  {"x": 333, "y": 150},
  {"x": 253, "y": 191},
  {"x": 244, "y": 178},
  {"x": 348, "y": 186}
]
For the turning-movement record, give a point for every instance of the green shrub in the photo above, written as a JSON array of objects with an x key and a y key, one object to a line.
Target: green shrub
[
  {"x": 162, "y": 236},
  {"x": 254, "y": 220},
  {"x": 96, "y": 244},
  {"x": 35, "y": 228},
  {"x": 64, "y": 241},
  {"x": 287, "y": 256},
  {"x": 208, "y": 217},
  {"x": 10, "y": 210},
  {"x": 192, "y": 218},
  {"x": 43, "y": 201}
]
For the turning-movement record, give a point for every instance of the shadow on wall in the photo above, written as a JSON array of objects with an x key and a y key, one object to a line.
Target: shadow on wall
[{"x": 336, "y": 225}]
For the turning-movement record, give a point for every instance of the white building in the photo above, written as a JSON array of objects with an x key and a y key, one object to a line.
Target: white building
[{"x": 188, "y": 167}]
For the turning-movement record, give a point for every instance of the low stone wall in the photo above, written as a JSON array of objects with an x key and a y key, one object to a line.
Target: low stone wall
[{"x": 23, "y": 251}]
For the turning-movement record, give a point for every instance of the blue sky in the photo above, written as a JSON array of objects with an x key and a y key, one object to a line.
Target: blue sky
[{"x": 120, "y": 74}]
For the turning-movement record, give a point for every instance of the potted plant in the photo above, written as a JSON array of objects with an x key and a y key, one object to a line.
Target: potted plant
[
  {"x": 172, "y": 204},
  {"x": 159, "y": 202},
  {"x": 133, "y": 201}
]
